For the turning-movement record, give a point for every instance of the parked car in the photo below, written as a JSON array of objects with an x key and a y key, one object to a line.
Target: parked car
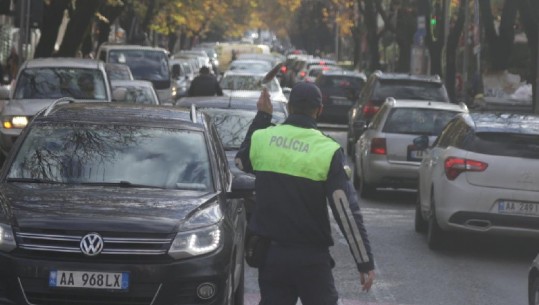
[
  {"x": 385, "y": 152},
  {"x": 118, "y": 72},
  {"x": 249, "y": 84},
  {"x": 302, "y": 65},
  {"x": 340, "y": 89},
  {"x": 533, "y": 283},
  {"x": 480, "y": 176},
  {"x": 145, "y": 62},
  {"x": 120, "y": 204},
  {"x": 42, "y": 81},
  {"x": 379, "y": 87},
  {"x": 182, "y": 72},
  {"x": 134, "y": 91},
  {"x": 232, "y": 118}
]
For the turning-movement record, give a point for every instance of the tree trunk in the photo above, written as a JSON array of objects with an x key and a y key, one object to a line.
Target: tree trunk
[
  {"x": 356, "y": 38},
  {"x": 78, "y": 27},
  {"x": 372, "y": 35},
  {"x": 52, "y": 18},
  {"x": 499, "y": 45},
  {"x": 111, "y": 13},
  {"x": 435, "y": 45},
  {"x": 451, "y": 51},
  {"x": 172, "y": 39},
  {"x": 150, "y": 12},
  {"x": 405, "y": 29}
]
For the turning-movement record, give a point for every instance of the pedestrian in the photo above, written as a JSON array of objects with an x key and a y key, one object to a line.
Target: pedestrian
[
  {"x": 297, "y": 168},
  {"x": 12, "y": 64},
  {"x": 205, "y": 84}
]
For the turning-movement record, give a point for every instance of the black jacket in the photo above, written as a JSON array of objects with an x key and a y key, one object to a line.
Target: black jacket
[
  {"x": 292, "y": 210},
  {"x": 205, "y": 85}
]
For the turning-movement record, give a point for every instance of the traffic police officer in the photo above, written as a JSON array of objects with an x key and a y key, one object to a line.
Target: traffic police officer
[{"x": 297, "y": 167}]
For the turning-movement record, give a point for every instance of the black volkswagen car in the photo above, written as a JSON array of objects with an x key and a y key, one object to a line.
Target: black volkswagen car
[{"x": 120, "y": 204}]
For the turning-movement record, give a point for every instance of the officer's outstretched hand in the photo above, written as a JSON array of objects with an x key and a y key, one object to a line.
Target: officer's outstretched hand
[
  {"x": 366, "y": 280},
  {"x": 264, "y": 102}
]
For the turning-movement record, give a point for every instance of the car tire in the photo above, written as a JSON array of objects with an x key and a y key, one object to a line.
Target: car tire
[
  {"x": 436, "y": 237},
  {"x": 533, "y": 294},
  {"x": 366, "y": 190},
  {"x": 420, "y": 225}
]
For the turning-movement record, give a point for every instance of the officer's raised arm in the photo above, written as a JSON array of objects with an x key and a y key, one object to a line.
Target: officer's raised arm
[
  {"x": 345, "y": 207},
  {"x": 262, "y": 120}
]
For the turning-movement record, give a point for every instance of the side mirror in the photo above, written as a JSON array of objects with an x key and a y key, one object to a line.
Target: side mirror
[
  {"x": 4, "y": 92},
  {"x": 421, "y": 142},
  {"x": 243, "y": 186},
  {"x": 119, "y": 94}
]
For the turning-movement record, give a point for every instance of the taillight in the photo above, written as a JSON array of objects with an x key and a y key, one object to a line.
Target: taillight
[
  {"x": 454, "y": 166},
  {"x": 369, "y": 110},
  {"x": 283, "y": 69},
  {"x": 302, "y": 74},
  {"x": 378, "y": 146}
]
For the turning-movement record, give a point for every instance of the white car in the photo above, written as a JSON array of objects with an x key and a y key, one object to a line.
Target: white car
[
  {"x": 134, "y": 91},
  {"x": 480, "y": 175},
  {"x": 249, "y": 84},
  {"x": 385, "y": 153}
]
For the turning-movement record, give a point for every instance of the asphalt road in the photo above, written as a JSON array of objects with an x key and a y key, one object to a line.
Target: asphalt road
[{"x": 473, "y": 270}]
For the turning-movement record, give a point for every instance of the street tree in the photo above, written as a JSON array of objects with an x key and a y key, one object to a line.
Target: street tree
[
  {"x": 455, "y": 32},
  {"x": 53, "y": 15}
]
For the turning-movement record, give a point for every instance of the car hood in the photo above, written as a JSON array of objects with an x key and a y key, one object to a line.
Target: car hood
[
  {"x": 40, "y": 206},
  {"x": 30, "y": 107}
]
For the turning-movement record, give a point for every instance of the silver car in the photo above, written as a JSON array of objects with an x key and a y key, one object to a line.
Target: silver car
[
  {"x": 385, "y": 153},
  {"x": 42, "y": 81},
  {"x": 533, "y": 283},
  {"x": 480, "y": 176}
]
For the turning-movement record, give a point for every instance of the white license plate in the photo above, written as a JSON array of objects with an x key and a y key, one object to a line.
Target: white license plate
[
  {"x": 416, "y": 154},
  {"x": 518, "y": 208},
  {"x": 88, "y": 279}
]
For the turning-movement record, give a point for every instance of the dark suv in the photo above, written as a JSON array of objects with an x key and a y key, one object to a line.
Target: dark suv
[
  {"x": 120, "y": 204},
  {"x": 340, "y": 89},
  {"x": 379, "y": 87}
]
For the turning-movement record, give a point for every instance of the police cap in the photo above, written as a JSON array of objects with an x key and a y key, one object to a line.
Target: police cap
[{"x": 306, "y": 95}]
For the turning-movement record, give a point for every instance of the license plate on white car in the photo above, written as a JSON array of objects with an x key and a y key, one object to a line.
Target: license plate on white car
[
  {"x": 413, "y": 154},
  {"x": 518, "y": 208},
  {"x": 89, "y": 279}
]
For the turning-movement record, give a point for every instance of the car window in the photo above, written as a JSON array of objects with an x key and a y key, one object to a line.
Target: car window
[
  {"x": 378, "y": 117},
  {"x": 449, "y": 133},
  {"x": 420, "y": 121},
  {"x": 138, "y": 95},
  {"x": 144, "y": 64},
  {"x": 246, "y": 82},
  {"x": 232, "y": 124},
  {"x": 504, "y": 144},
  {"x": 345, "y": 82},
  {"x": 53, "y": 83},
  {"x": 409, "y": 89},
  {"x": 88, "y": 153}
]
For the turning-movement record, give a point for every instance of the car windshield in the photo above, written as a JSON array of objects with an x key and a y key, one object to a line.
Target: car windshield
[
  {"x": 247, "y": 82},
  {"x": 410, "y": 89},
  {"x": 250, "y": 66},
  {"x": 102, "y": 154},
  {"x": 420, "y": 121},
  {"x": 144, "y": 64},
  {"x": 118, "y": 72},
  {"x": 232, "y": 124},
  {"x": 53, "y": 83},
  {"x": 137, "y": 95}
]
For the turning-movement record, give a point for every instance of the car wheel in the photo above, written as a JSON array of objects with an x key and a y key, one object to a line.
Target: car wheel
[
  {"x": 534, "y": 292},
  {"x": 421, "y": 226},
  {"x": 366, "y": 190},
  {"x": 435, "y": 235}
]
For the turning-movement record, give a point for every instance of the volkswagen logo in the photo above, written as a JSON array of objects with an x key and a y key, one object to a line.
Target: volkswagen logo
[{"x": 91, "y": 244}]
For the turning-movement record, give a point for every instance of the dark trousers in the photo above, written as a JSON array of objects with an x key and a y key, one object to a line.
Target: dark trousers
[{"x": 297, "y": 272}]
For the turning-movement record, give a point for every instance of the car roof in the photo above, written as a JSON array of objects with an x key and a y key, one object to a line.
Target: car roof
[
  {"x": 64, "y": 62},
  {"x": 505, "y": 122},
  {"x": 403, "y": 103},
  {"x": 123, "y": 113},
  {"x": 226, "y": 102},
  {"x": 133, "y": 83},
  {"x": 131, "y": 47},
  {"x": 337, "y": 72},
  {"x": 404, "y": 76},
  {"x": 244, "y": 72}
]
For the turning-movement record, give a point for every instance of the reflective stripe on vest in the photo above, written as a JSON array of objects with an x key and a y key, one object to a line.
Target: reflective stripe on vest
[{"x": 290, "y": 150}]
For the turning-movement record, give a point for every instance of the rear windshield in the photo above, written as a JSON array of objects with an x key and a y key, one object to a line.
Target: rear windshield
[
  {"x": 410, "y": 89},
  {"x": 504, "y": 144},
  {"x": 419, "y": 121},
  {"x": 341, "y": 82}
]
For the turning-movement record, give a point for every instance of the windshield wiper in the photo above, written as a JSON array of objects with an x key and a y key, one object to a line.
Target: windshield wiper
[
  {"x": 33, "y": 180},
  {"x": 122, "y": 183}
]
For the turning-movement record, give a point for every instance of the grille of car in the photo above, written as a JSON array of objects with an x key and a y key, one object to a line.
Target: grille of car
[
  {"x": 82, "y": 299},
  {"x": 114, "y": 244}
]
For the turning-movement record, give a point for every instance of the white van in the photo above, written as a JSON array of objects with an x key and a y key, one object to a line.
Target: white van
[{"x": 146, "y": 63}]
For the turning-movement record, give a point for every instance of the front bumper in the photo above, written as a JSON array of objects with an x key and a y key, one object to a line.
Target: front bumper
[{"x": 26, "y": 281}]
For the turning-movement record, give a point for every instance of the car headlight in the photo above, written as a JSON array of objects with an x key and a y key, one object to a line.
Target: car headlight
[
  {"x": 7, "y": 239},
  {"x": 174, "y": 91},
  {"x": 14, "y": 122},
  {"x": 200, "y": 234}
]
